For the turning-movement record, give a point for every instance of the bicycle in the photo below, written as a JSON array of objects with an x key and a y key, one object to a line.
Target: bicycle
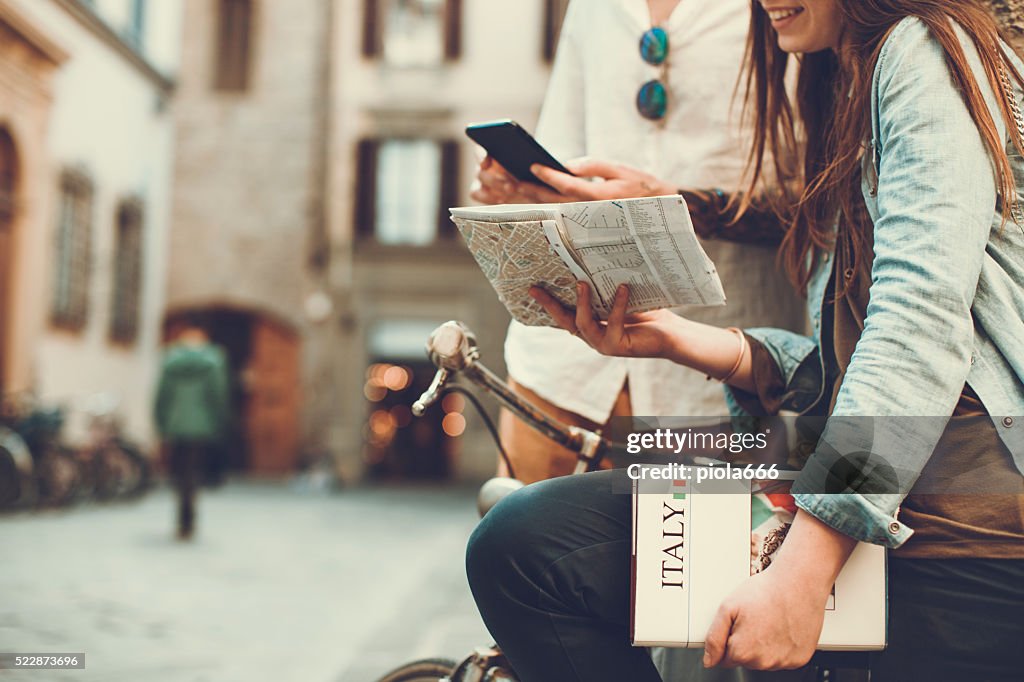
[
  {"x": 56, "y": 475},
  {"x": 112, "y": 466},
  {"x": 453, "y": 349}
]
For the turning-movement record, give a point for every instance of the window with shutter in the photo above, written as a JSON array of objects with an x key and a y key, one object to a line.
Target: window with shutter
[
  {"x": 124, "y": 317},
  {"x": 8, "y": 209},
  {"x": 8, "y": 178},
  {"x": 234, "y": 45},
  {"x": 450, "y": 182},
  {"x": 73, "y": 252},
  {"x": 404, "y": 188},
  {"x": 366, "y": 188},
  {"x": 412, "y": 33}
]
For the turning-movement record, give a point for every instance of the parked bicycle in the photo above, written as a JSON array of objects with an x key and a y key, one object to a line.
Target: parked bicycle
[
  {"x": 56, "y": 474},
  {"x": 38, "y": 469},
  {"x": 111, "y": 466},
  {"x": 453, "y": 348}
]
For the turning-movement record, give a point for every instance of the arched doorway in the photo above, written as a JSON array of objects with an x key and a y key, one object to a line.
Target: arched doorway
[
  {"x": 8, "y": 209},
  {"x": 264, "y": 358}
]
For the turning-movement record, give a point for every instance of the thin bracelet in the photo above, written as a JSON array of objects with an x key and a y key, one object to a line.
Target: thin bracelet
[{"x": 739, "y": 359}]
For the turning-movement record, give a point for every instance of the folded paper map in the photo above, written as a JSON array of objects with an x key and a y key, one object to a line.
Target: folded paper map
[{"x": 647, "y": 243}]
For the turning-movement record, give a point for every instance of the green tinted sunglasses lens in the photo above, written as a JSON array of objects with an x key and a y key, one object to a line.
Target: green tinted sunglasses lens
[
  {"x": 654, "y": 45},
  {"x": 652, "y": 100}
]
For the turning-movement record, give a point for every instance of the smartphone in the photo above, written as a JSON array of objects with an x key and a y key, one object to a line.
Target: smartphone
[{"x": 514, "y": 148}]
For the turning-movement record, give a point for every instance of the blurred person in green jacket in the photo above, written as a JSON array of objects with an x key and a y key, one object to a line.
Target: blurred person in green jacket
[{"x": 192, "y": 412}]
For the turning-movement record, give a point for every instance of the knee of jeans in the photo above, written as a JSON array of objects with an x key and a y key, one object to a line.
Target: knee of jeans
[{"x": 501, "y": 540}]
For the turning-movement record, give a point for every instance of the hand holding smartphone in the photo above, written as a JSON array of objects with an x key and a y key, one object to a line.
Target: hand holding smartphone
[{"x": 514, "y": 148}]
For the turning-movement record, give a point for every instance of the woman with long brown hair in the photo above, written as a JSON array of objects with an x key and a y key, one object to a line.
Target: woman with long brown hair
[{"x": 901, "y": 168}]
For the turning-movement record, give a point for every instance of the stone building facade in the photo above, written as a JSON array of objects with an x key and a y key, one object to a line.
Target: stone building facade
[
  {"x": 248, "y": 191},
  {"x": 309, "y": 188},
  {"x": 84, "y": 122}
]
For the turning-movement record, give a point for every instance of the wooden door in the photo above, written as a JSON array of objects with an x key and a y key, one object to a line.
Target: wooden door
[{"x": 272, "y": 384}]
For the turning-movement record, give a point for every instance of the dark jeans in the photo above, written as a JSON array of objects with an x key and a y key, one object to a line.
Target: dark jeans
[
  {"x": 550, "y": 569},
  {"x": 187, "y": 457}
]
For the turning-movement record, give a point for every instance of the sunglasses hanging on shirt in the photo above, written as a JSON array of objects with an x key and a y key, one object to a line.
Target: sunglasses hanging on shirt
[{"x": 652, "y": 99}]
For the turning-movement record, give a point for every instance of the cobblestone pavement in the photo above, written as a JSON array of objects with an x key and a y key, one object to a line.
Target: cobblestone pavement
[{"x": 279, "y": 584}]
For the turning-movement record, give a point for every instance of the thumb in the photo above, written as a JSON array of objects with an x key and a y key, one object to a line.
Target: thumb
[
  {"x": 718, "y": 636},
  {"x": 594, "y": 168}
]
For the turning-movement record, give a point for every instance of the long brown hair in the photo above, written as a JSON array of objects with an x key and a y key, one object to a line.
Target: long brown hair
[{"x": 817, "y": 149}]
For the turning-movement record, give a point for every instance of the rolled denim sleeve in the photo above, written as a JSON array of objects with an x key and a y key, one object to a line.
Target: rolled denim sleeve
[
  {"x": 799, "y": 365},
  {"x": 855, "y": 515},
  {"x": 936, "y": 198}
]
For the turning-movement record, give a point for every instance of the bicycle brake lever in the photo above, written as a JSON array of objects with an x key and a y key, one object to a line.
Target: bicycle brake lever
[{"x": 431, "y": 395}]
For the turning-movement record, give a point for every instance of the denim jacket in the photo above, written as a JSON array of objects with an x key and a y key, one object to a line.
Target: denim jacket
[{"x": 947, "y": 284}]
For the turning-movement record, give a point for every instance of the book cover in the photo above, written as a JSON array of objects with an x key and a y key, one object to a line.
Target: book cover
[{"x": 693, "y": 544}]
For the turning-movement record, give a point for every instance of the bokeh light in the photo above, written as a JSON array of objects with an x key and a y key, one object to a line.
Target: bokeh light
[
  {"x": 453, "y": 424},
  {"x": 374, "y": 392},
  {"x": 397, "y": 378}
]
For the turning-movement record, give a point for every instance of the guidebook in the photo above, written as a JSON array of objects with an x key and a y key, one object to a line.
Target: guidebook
[
  {"x": 694, "y": 543},
  {"x": 648, "y": 244}
]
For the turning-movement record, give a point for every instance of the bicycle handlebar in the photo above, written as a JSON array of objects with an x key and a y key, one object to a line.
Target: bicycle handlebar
[{"x": 453, "y": 349}]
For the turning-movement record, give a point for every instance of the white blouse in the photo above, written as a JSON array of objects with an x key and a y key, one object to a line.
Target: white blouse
[{"x": 590, "y": 110}]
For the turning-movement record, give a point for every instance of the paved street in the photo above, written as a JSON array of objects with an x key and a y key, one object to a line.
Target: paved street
[{"x": 279, "y": 585}]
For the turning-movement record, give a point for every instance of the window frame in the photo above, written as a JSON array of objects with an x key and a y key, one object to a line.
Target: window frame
[
  {"x": 234, "y": 45},
  {"x": 374, "y": 12},
  {"x": 127, "y": 271},
  {"x": 69, "y": 306},
  {"x": 367, "y": 166},
  {"x": 9, "y": 176}
]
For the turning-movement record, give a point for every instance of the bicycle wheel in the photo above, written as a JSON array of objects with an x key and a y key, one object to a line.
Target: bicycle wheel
[
  {"x": 116, "y": 473},
  {"x": 16, "y": 489},
  {"x": 423, "y": 670},
  {"x": 59, "y": 476},
  {"x": 142, "y": 479},
  {"x": 10, "y": 480}
]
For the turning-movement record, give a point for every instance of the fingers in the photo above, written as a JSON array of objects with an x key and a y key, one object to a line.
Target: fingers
[
  {"x": 718, "y": 636},
  {"x": 589, "y": 328},
  {"x": 482, "y": 196},
  {"x": 539, "y": 194},
  {"x": 595, "y": 168},
  {"x": 563, "y": 318},
  {"x": 494, "y": 184},
  {"x": 576, "y": 188},
  {"x": 616, "y": 328},
  {"x": 496, "y": 179},
  {"x": 630, "y": 181}
]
